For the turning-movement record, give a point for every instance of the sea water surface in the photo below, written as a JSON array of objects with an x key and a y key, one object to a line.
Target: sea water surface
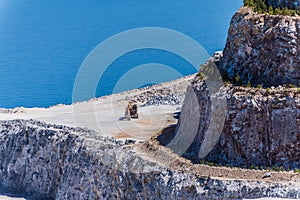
[{"x": 43, "y": 43}]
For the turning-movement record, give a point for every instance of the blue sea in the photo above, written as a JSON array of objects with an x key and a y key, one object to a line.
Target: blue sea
[{"x": 44, "y": 43}]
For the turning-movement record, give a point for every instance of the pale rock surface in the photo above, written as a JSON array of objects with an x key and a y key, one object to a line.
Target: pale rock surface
[
  {"x": 262, "y": 49},
  {"x": 44, "y": 161},
  {"x": 261, "y": 127}
]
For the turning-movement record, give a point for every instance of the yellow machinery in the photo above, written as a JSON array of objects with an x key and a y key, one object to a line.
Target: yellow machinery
[{"x": 131, "y": 110}]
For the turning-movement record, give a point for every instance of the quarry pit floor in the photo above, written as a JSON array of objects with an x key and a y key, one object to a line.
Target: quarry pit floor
[{"x": 105, "y": 116}]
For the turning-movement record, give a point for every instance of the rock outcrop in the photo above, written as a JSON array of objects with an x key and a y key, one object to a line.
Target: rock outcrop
[
  {"x": 46, "y": 161},
  {"x": 262, "y": 49},
  {"x": 261, "y": 128}
]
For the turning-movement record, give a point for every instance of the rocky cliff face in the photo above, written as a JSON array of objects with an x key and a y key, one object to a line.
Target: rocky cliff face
[
  {"x": 262, "y": 49},
  {"x": 45, "y": 161},
  {"x": 261, "y": 128}
]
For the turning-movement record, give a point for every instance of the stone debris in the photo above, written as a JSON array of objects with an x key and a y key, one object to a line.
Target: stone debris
[
  {"x": 267, "y": 175},
  {"x": 164, "y": 100},
  {"x": 14, "y": 110}
]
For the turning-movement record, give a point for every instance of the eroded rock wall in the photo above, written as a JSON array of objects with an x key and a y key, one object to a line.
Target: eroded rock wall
[
  {"x": 262, "y": 49},
  {"x": 262, "y": 126},
  {"x": 45, "y": 161},
  {"x": 56, "y": 162}
]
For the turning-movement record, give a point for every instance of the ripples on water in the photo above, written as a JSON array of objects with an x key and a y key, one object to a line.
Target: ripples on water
[{"x": 44, "y": 42}]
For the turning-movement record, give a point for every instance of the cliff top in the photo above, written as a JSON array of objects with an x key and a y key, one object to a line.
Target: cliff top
[
  {"x": 284, "y": 7},
  {"x": 262, "y": 49},
  {"x": 248, "y": 10}
]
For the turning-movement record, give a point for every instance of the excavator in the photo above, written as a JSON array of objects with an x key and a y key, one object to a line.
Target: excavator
[{"x": 131, "y": 110}]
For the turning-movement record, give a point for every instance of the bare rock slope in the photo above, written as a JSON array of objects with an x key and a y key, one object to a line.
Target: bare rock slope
[
  {"x": 262, "y": 49},
  {"x": 261, "y": 125},
  {"x": 43, "y": 161}
]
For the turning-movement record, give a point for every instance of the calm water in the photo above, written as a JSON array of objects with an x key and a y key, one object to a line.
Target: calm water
[{"x": 43, "y": 43}]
